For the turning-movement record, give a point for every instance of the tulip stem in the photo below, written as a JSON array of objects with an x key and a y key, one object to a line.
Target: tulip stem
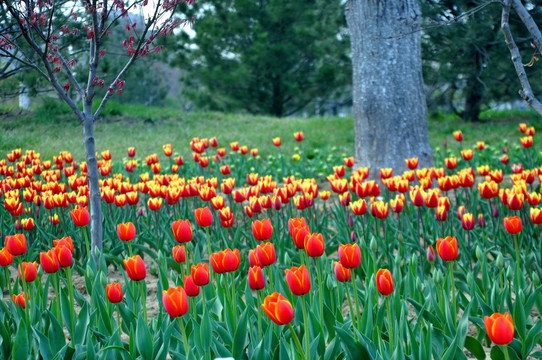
[
  {"x": 209, "y": 251},
  {"x": 452, "y": 290},
  {"x": 233, "y": 295},
  {"x": 143, "y": 300},
  {"x": 118, "y": 317},
  {"x": 320, "y": 288},
  {"x": 72, "y": 310},
  {"x": 85, "y": 235},
  {"x": 25, "y": 291},
  {"x": 350, "y": 305},
  {"x": 505, "y": 351},
  {"x": 356, "y": 299},
  {"x": 270, "y": 276},
  {"x": 57, "y": 292},
  {"x": 296, "y": 340},
  {"x": 183, "y": 332},
  {"x": 8, "y": 279},
  {"x": 130, "y": 248},
  {"x": 390, "y": 330},
  {"x": 260, "y": 316},
  {"x": 517, "y": 261},
  {"x": 306, "y": 320}
]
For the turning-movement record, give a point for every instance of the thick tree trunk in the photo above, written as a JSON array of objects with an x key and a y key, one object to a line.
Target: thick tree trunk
[
  {"x": 93, "y": 183},
  {"x": 473, "y": 101},
  {"x": 390, "y": 112}
]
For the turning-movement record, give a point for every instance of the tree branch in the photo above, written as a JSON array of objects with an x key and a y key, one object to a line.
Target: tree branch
[{"x": 526, "y": 92}]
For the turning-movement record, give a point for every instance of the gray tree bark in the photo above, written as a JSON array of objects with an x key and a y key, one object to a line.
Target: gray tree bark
[{"x": 390, "y": 112}]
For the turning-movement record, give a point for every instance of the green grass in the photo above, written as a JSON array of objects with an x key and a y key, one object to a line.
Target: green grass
[{"x": 52, "y": 128}]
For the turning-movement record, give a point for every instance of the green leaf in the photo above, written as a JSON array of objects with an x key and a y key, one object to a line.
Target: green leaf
[
  {"x": 82, "y": 325},
  {"x": 144, "y": 339},
  {"x": 205, "y": 331},
  {"x": 519, "y": 319},
  {"x": 56, "y": 336},
  {"x": 20, "y": 345},
  {"x": 474, "y": 346},
  {"x": 240, "y": 339}
]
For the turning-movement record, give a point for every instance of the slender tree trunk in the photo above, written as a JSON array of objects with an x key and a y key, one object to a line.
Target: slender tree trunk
[
  {"x": 390, "y": 112},
  {"x": 92, "y": 177}
]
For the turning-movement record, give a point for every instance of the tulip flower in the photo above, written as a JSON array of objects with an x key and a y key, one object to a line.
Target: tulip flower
[
  {"x": 182, "y": 230},
  {"x": 384, "y": 282},
  {"x": 447, "y": 248},
  {"x": 204, "y": 218},
  {"x": 200, "y": 274},
  {"x": 277, "y": 141},
  {"x": 535, "y": 215},
  {"x": 49, "y": 261},
  {"x": 16, "y": 244},
  {"x": 468, "y": 221},
  {"x": 278, "y": 308},
  {"x": 179, "y": 254},
  {"x": 126, "y": 231},
  {"x": 64, "y": 256},
  {"x": 513, "y": 224},
  {"x": 19, "y": 300},
  {"x": 256, "y": 279},
  {"x": 298, "y": 280},
  {"x": 225, "y": 261},
  {"x": 80, "y": 216},
  {"x": 430, "y": 254},
  {"x": 412, "y": 163},
  {"x": 298, "y": 136},
  {"x": 298, "y": 230},
  {"x": 114, "y": 292},
  {"x": 135, "y": 268},
  {"x": 5, "y": 257},
  {"x": 500, "y": 328},
  {"x": 350, "y": 255},
  {"x": 341, "y": 273},
  {"x": 262, "y": 230},
  {"x": 191, "y": 289},
  {"x": 30, "y": 270},
  {"x": 175, "y": 301},
  {"x": 314, "y": 244},
  {"x": 65, "y": 241},
  {"x": 458, "y": 135},
  {"x": 266, "y": 254}
]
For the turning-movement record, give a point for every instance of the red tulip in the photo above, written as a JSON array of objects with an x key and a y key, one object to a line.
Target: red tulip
[
  {"x": 200, "y": 274},
  {"x": 298, "y": 136},
  {"x": 182, "y": 230},
  {"x": 80, "y": 216},
  {"x": 64, "y": 256},
  {"x": 19, "y": 300},
  {"x": 30, "y": 270},
  {"x": 341, "y": 273},
  {"x": 512, "y": 224},
  {"x": 262, "y": 230},
  {"x": 191, "y": 289},
  {"x": 350, "y": 255},
  {"x": 65, "y": 241},
  {"x": 468, "y": 221},
  {"x": 298, "y": 280},
  {"x": 314, "y": 245},
  {"x": 266, "y": 254},
  {"x": 16, "y": 244},
  {"x": 298, "y": 230},
  {"x": 126, "y": 231},
  {"x": 135, "y": 268},
  {"x": 384, "y": 282},
  {"x": 225, "y": 261},
  {"x": 256, "y": 280},
  {"x": 5, "y": 257},
  {"x": 447, "y": 248},
  {"x": 49, "y": 261},
  {"x": 278, "y": 308},
  {"x": 204, "y": 218},
  {"x": 175, "y": 301},
  {"x": 114, "y": 292},
  {"x": 500, "y": 328},
  {"x": 179, "y": 254},
  {"x": 430, "y": 254}
]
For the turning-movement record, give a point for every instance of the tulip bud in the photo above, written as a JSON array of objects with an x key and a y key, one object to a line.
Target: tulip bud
[
  {"x": 479, "y": 253},
  {"x": 350, "y": 221},
  {"x": 438, "y": 277},
  {"x": 373, "y": 245},
  {"x": 430, "y": 254},
  {"x": 495, "y": 211},
  {"x": 536, "y": 279},
  {"x": 353, "y": 236},
  {"x": 500, "y": 261},
  {"x": 414, "y": 260},
  {"x": 509, "y": 274}
]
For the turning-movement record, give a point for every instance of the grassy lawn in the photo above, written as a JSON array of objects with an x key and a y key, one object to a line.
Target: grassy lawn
[{"x": 52, "y": 128}]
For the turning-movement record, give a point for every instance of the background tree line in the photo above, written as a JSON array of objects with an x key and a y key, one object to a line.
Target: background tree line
[{"x": 280, "y": 58}]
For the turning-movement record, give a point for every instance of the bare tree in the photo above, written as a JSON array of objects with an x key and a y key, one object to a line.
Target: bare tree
[
  {"x": 526, "y": 91},
  {"x": 33, "y": 40}
]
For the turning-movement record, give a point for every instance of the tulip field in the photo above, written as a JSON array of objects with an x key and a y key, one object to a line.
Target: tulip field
[{"x": 228, "y": 254}]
